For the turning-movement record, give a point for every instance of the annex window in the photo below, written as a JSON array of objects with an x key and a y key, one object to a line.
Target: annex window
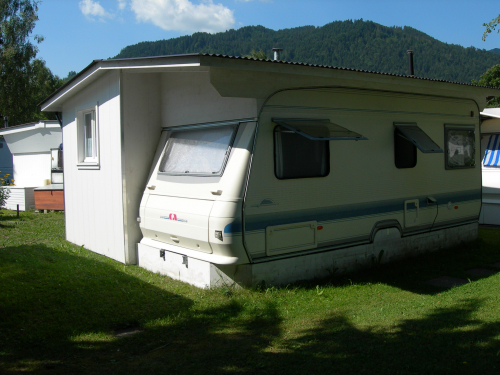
[
  {"x": 460, "y": 146},
  {"x": 408, "y": 137},
  {"x": 199, "y": 150},
  {"x": 301, "y": 146},
  {"x": 88, "y": 139}
]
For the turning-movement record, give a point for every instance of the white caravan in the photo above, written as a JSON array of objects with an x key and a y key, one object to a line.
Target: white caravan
[{"x": 325, "y": 179}]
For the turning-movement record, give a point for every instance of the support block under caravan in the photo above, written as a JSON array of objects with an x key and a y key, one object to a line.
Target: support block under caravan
[{"x": 204, "y": 274}]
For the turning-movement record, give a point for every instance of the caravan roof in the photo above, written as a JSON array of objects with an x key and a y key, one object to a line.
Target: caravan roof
[{"x": 203, "y": 61}]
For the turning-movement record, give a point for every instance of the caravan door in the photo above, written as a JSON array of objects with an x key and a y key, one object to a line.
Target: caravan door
[{"x": 411, "y": 213}]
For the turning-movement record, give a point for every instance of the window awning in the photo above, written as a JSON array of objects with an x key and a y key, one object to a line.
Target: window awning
[
  {"x": 319, "y": 130},
  {"x": 492, "y": 153},
  {"x": 419, "y": 138}
]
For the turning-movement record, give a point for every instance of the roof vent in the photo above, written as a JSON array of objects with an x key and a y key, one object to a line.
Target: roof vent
[
  {"x": 277, "y": 53},
  {"x": 5, "y": 121},
  {"x": 410, "y": 63}
]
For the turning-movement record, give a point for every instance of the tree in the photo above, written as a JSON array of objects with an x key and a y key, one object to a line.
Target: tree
[
  {"x": 257, "y": 55},
  {"x": 24, "y": 80},
  {"x": 42, "y": 83},
  {"x": 70, "y": 75},
  {"x": 491, "y": 26},
  {"x": 491, "y": 78}
]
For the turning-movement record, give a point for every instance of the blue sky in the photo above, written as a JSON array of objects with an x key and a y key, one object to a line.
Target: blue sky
[{"x": 79, "y": 31}]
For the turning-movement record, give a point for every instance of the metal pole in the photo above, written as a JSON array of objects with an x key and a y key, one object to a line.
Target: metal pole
[{"x": 17, "y": 210}]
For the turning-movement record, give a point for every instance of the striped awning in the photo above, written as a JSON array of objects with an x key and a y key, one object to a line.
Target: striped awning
[{"x": 492, "y": 153}]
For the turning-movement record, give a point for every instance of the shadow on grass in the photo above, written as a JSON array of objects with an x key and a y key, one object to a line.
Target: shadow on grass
[
  {"x": 412, "y": 274},
  {"x": 59, "y": 311},
  {"x": 9, "y": 219}
]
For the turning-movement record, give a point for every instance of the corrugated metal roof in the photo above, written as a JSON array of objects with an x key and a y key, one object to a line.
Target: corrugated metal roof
[
  {"x": 268, "y": 61},
  {"x": 341, "y": 68}
]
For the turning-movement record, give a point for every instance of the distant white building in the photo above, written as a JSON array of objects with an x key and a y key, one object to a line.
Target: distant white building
[{"x": 30, "y": 146}]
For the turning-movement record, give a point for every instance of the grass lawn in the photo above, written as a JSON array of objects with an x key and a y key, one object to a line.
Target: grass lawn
[{"x": 61, "y": 308}]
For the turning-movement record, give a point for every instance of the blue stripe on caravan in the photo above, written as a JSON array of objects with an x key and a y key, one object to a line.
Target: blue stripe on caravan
[
  {"x": 492, "y": 150},
  {"x": 497, "y": 153},
  {"x": 354, "y": 211},
  {"x": 487, "y": 152},
  {"x": 234, "y": 227}
]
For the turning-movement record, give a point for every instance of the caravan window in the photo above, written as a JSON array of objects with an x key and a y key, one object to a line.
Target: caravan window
[
  {"x": 299, "y": 157},
  {"x": 200, "y": 151},
  {"x": 405, "y": 152},
  {"x": 408, "y": 137},
  {"x": 460, "y": 146}
]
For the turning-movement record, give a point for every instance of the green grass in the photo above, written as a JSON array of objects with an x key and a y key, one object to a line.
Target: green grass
[{"x": 61, "y": 305}]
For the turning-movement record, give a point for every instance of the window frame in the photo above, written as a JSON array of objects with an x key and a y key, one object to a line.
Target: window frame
[
  {"x": 84, "y": 161},
  {"x": 451, "y": 127},
  {"x": 234, "y": 124}
]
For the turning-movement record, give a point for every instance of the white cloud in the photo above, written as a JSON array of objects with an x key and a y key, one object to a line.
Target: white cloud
[
  {"x": 91, "y": 9},
  {"x": 183, "y": 15},
  {"x": 122, "y": 4}
]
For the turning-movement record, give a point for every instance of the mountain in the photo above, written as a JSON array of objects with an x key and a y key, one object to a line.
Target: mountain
[
  {"x": 495, "y": 50},
  {"x": 356, "y": 44}
]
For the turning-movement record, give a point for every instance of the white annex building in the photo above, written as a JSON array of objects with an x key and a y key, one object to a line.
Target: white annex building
[{"x": 207, "y": 167}]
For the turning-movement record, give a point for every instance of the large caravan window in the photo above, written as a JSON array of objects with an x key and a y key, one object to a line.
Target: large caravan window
[
  {"x": 201, "y": 151},
  {"x": 299, "y": 157},
  {"x": 460, "y": 146},
  {"x": 301, "y": 146}
]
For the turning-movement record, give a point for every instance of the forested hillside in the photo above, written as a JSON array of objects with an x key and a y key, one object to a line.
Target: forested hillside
[{"x": 351, "y": 44}]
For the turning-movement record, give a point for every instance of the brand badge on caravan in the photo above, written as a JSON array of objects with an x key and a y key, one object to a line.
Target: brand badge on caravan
[{"x": 173, "y": 217}]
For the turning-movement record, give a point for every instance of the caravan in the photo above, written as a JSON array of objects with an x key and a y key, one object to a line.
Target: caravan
[{"x": 320, "y": 169}]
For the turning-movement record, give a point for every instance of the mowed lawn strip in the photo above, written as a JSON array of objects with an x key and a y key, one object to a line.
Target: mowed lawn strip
[{"x": 62, "y": 307}]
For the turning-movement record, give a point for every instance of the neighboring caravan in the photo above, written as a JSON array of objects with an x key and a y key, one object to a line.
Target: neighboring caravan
[
  {"x": 216, "y": 169},
  {"x": 490, "y": 154}
]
